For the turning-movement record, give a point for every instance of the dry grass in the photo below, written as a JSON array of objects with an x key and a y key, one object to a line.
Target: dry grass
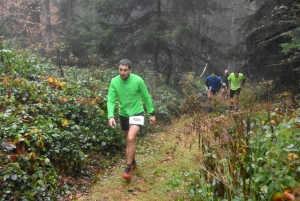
[
  {"x": 165, "y": 155},
  {"x": 160, "y": 156}
]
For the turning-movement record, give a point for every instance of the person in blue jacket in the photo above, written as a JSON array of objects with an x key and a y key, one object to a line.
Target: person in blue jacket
[{"x": 213, "y": 84}]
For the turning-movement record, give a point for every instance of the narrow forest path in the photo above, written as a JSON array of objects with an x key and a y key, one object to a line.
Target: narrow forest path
[
  {"x": 160, "y": 157},
  {"x": 165, "y": 159}
]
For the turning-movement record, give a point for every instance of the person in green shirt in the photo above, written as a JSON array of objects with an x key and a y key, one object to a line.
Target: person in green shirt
[
  {"x": 236, "y": 80},
  {"x": 130, "y": 90}
]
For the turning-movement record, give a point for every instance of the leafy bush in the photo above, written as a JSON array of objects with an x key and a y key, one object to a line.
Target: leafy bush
[{"x": 48, "y": 125}]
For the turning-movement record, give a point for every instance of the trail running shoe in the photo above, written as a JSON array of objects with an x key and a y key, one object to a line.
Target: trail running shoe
[
  {"x": 127, "y": 173},
  {"x": 133, "y": 165}
]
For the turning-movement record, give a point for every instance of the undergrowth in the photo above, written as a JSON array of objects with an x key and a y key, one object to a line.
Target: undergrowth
[
  {"x": 247, "y": 155},
  {"x": 53, "y": 127}
]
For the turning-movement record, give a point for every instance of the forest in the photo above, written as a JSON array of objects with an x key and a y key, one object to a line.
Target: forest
[{"x": 57, "y": 58}]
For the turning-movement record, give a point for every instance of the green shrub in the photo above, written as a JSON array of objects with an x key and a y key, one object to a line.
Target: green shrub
[{"x": 48, "y": 126}]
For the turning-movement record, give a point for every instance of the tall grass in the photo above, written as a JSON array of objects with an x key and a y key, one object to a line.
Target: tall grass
[{"x": 245, "y": 154}]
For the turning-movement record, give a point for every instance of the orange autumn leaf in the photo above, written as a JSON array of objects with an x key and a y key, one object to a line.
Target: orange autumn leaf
[
  {"x": 287, "y": 196},
  {"x": 96, "y": 99},
  {"x": 63, "y": 85},
  {"x": 277, "y": 197},
  {"x": 64, "y": 122},
  {"x": 292, "y": 157},
  {"x": 50, "y": 79},
  {"x": 18, "y": 150},
  {"x": 9, "y": 94},
  {"x": 64, "y": 100},
  {"x": 32, "y": 155},
  {"x": 12, "y": 158},
  {"x": 82, "y": 100}
]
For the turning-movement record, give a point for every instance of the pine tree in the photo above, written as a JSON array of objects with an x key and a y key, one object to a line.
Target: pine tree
[{"x": 168, "y": 33}]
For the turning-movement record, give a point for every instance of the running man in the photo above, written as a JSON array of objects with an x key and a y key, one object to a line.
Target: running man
[
  {"x": 213, "y": 84},
  {"x": 130, "y": 90},
  {"x": 224, "y": 89},
  {"x": 236, "y": 81}
]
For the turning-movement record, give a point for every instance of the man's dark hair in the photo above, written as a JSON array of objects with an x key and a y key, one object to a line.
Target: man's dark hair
[
  {"x": 236, "y": 71},
  {"x": 126, "y": 62}
]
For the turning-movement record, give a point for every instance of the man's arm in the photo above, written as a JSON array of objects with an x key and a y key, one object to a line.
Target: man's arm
[
  {"x": 226, "y": 80},
  {"x": 229, "y": 79},
  {"x": 207, "y": 83},
  {"x": 111, "y": 101},
  {"x": 219, "y": 85},
  {"x": 243, "y": 82},
  {"x": 146, "y": 98},
  {"x": 148, "y": 101}
]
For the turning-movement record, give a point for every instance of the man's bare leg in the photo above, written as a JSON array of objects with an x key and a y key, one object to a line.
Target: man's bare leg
[
  {"x": 224, "y": 93},
  {"x": 209, "y": 99},
  {"x": 130, "y": 141},
  {"x": 130, "y": 149},
  {"x": 236, "y": 102},
  {"x": 231, "y": 102}
]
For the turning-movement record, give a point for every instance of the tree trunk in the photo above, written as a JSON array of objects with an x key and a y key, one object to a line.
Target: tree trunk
[
  {"x": 157, "y": 42},
  {"x": 170, "y": 67},
  {"x": 48, "y": 26}
]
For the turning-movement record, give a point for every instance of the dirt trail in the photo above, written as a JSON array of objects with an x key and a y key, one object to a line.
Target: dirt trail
[{"x": 160, "y": 157}]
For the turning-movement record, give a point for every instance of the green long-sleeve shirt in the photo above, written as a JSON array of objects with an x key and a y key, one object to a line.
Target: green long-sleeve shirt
[
  {"x": 236, "y": 82},
  {"x": 130, "y": 94}
]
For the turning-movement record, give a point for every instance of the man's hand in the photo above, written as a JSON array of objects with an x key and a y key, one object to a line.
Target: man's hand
[
  {"x": 152, "y": 119},
  {"x": 112, "y": 122}
]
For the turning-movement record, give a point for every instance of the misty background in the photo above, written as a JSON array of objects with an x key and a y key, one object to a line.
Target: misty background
[{"x": 167, "y": 36}]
